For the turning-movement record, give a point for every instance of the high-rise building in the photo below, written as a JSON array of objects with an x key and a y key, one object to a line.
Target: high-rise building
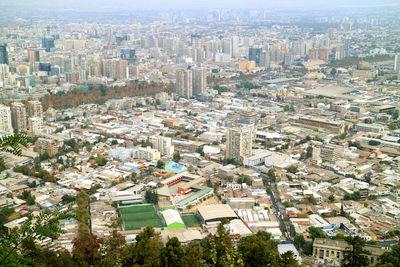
[
  {"x": 397, "y": 63},
  {"x": 184, "y": 83},
  {"x": 235, "y": 46},
  {"x": 3, "y": 54},
  {"x": 339, "y": 52},
  {"x": 239, "y": 143},
  {"x": 255, "y": 55},
  {"x": 324, "y": 53},
  {"x": 265, "y": 60},
  {"x": 18, "y": 116},
  {"x": 35, "y": 108},
  {"x": 5, "y": 120},
  {"x": 33, "y": 55},
  {"x": 35, "y": 125},
  {"x": 313, "y": 54},
  {"x": 163, "y": 145},
  {"x": 346, "y": 47},
  {"x": 47, "y": 43},
  {"x": 199, "y": 81}
]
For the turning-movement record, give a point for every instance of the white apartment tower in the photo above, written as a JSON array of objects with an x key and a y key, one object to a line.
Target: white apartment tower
[
  {"x": 35, "y": 125},
  {"x": 184, "y": 83},
  {"x": 5, "y": 120},
  {"x": 163, "y": 145},
  {"x": 239, "y": 143}
]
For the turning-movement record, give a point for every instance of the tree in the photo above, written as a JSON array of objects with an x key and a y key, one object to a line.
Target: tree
[
  {"x": 288, "y": 259},
  {"x": 86, "y": 249},
  {"x": 193, "y": 255},
  {"x": 114, "y": 142},
  {"x": 172, "y": 253},
  {"x": 151, "y": 196},
  {"x": 299, "y": 241},
  {"x": 219, "y": 249},
  {"x": 190, "y": 168},
  {"x": 45, "y": 225},
  {"x": 331, "y": 198},
  {"x": 148, "y": 248},
  {"x": 67, "y": 199},
  {"x": 101, "y": 160},
  {"x": 259, "y": 250},
  {"x": 26, "y": 195},
  {"x": 292, "y": 169},
  {"x": 177, "y": 157},
  {"x": 160, "y": 164},
  {"x": 390, "y": 258},
  {"x": 272, "y": 174},
  {"x": 316, "y": 232},
  {"x": 355, "y": 254}
]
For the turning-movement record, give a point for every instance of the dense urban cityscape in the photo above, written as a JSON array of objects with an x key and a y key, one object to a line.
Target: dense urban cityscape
[{"x": 199, "y": 137}]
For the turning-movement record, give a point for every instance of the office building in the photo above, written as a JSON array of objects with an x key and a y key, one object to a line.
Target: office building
[
  {"x": 35, "y": 125},
  {"x": 163, "y": 145},
  {"x": 239, "y": 143},
  {"x": 35, "y": 109},
  {"x": 199, "y": 81},
  {"x": 255, "y": 55},
  {"x": 18, "y": 116},
  {"x": 3, "y": 54},
  {"x": 184, "y": 83},
  {"x": 33, "y": 55},
  {"x": 5, "y": 120},
  {"x": 48, "y": 43}
]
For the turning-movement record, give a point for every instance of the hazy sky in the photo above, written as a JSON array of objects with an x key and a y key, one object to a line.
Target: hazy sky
[{"x": 185, "y": 4}]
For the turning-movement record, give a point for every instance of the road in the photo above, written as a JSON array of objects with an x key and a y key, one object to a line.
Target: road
[{"x": 278, "y": 208}]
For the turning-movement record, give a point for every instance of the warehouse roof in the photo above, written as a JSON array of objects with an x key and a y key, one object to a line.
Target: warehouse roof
[{"x": 215, "y": 212}]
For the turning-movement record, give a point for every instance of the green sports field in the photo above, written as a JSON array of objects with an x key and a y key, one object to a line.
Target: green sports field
[
  {"x": 190, "y": 219},
  {"x": 137, "y": 216}
]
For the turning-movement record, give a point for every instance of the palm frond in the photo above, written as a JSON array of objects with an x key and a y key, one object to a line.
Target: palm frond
[{"x": 13, "y": 143}]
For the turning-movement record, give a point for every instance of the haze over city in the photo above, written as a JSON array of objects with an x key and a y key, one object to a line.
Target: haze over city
[{"x": 200, "y": 133}]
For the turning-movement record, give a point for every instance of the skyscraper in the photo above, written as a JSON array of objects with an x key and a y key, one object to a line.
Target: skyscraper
[
  {"x": 346, "y": 47},
  {"x": 184, "y": 83},
  {"x": 397, "y": 63},
  {"x": 235, "y": 46},
  {"x": 5, "y": 120},
  {"x": 33, "y": 55},
  {"x": 239, "y": 143},
  {"x": 18, "y": 115},
  {"x": 199, "y": 81},
  {"x": 48, "y": 43},
  {"x": 3, "y": 54},
  {"x": 255, "y": 55}
]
